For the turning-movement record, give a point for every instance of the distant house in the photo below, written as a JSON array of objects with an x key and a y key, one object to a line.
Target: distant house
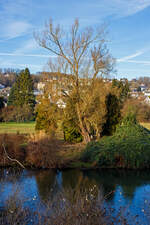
[
  {"x": 134, "y": 94},
  {"x": 132, "y": 89},
  {"x": 147, "y": 93},
  {"x": 5, "y": 92},
  {"x": 123, "y": 80},
  {"x": 143, "y": 87},
  {"x": 40, "y": 86},
  {"x": 37, "y": 92},
  {"x": 2, "y": 86},
  {"x": 147, "y": 100}
]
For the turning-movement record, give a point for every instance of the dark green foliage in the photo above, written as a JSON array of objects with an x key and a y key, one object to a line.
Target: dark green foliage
[
  {"x": 11, "y": 99},
  {"x": 1, "y": 102},
  {"x": 114, "y": 105},
  {"x": 124, "y": 89},
  {"x": 139, "y": 89},
  {"x": 70, "y": 123},
  {"x": 113, "y": 114},
  {"x": 129, "y": 147},
  {"x": 22, "y": 91},
  {"x": 21, "y": 94},
  {"x": 71, "y": 132},
  {"x": 1, "y": 107}
]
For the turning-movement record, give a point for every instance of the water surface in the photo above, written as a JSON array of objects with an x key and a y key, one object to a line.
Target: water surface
[{"x": 126, "y": 190}]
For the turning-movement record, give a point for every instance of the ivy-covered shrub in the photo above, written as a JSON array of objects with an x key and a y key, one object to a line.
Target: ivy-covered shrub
[{"x": 129, "y": 147}]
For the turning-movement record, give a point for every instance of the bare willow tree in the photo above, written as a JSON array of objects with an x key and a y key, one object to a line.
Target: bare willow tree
[{"x": 83, "y": 55}]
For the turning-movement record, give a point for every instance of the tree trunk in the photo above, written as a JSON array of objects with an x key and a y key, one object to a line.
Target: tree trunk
[
  {"x": 86, "y": 136},
  {"x": 84, "y": 131}
]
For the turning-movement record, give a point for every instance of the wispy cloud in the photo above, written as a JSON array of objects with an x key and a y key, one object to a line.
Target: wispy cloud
[
  {"x": 118, "y": 8},
  {"x": 27, "y": 55},
  {"x": 126, "y": 58},
  {"x": 129, "y": 59},
  {"x": 130, "y": 7},
  {"x": 139, "y": 62},
  {"x": 33, "y": 67},
  {"x": 15, "y": 29}
]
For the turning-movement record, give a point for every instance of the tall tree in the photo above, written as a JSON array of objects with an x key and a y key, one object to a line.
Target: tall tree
[
  {"x": 83, "y": 54},
  {"x": 113, "y": 114},
  {"x": 22, "y": 91},
  {"x": 123, "y": 88}
]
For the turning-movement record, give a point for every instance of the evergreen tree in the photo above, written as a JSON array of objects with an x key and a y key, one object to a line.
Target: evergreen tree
[
  {"x": 113, "y": 114},
  {"x": 123, "y": 87},
  {"x": 11, "y": 98},
  {"x": 22, "y": 91},
  {"x": 22, "y": 97}
]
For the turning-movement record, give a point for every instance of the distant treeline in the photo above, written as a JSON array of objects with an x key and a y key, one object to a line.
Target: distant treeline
[{"x": 8, "y": 77}]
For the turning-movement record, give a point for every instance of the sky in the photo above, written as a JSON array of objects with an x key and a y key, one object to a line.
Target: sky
[{"x": 128, "y": 26}]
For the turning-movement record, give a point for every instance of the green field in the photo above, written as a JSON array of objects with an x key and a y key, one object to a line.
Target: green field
[
  {"x": 22, "y": 128},
  {"x": 29, "y": 128}
]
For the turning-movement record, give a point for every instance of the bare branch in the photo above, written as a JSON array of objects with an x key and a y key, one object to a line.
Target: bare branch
[{"x": 14, "y": 160}]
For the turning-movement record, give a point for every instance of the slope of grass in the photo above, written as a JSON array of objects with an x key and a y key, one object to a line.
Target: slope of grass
[{"x": 22, "y": 128}]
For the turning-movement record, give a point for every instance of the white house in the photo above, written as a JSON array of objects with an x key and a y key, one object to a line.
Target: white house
[{"x": 2, "y": 86}]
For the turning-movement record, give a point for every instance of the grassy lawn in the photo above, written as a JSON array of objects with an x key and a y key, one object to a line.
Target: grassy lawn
[
  {"x": 29, "y": 128},
  {"x": 22, "y": 128}
]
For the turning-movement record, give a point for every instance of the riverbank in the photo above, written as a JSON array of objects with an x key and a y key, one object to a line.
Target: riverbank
[
  {"x": 38, "y": 151},
  {"x": 128, "y": 148}
]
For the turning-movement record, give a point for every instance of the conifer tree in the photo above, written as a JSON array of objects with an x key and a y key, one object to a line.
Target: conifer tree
[{"x": 22, "y": 91}]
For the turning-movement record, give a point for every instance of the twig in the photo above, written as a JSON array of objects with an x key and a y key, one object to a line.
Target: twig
[{"x": 14, "y": 160}]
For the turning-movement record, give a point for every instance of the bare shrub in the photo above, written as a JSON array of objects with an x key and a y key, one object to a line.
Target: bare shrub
[
  {"x": 139, "y": 108},
  {"x": 43, "y": 151},
  {"x": 15, "y": 147}
]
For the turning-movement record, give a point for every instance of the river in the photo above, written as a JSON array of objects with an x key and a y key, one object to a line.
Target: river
[{"x": 121, "y": 189}]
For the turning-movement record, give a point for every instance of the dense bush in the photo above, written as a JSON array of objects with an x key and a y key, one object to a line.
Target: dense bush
[
  {"x": 129, "y": 147},
  {"x": 46, "y": 116}
]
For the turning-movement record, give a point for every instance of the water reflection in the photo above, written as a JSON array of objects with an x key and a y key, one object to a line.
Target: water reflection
[
  {"x": 119, "y": 187},
  {"x": 47, "y": 184}
]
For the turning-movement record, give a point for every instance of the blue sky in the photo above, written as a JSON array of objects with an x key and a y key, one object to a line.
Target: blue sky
[{"x": 128, "y": 31}]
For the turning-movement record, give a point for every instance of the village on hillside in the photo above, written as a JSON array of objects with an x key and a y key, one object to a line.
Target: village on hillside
[{"x": 139, "y": 88}]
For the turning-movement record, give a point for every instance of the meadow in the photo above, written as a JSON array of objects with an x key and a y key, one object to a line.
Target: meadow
[
  {"x": 29, "y": 127},
  {"x": 17, "y": 128}
]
